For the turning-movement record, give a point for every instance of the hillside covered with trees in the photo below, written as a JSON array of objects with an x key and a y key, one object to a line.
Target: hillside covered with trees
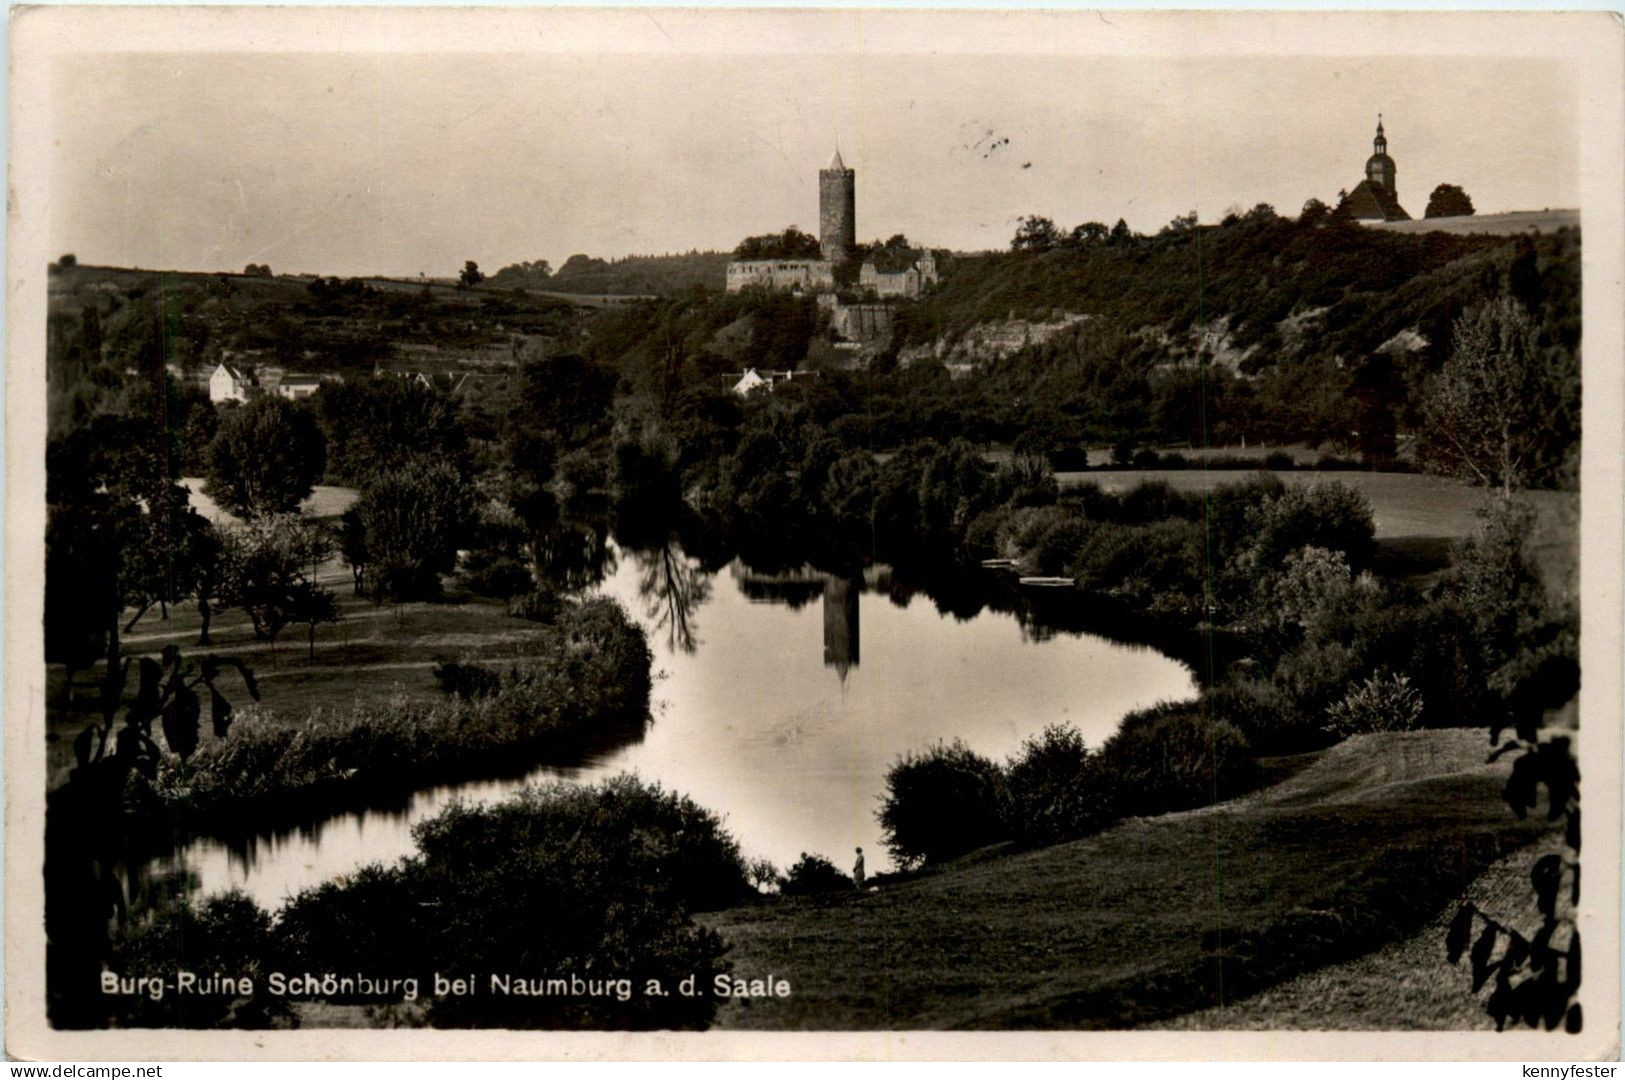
[{"x": 634, "y": 275}]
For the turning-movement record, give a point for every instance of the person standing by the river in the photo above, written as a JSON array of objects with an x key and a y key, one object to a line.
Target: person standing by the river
[{"x": 857, "y": 871}]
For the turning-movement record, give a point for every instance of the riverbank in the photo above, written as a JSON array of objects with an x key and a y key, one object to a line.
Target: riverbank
[
  {"x": 1417, "y": 517},
  {"x": 372, "y": 653},
  {"x": 578, "y": 684},
  {"x": 1151, "y": 919}
]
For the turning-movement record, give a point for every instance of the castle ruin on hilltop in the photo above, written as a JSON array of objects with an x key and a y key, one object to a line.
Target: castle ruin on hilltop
[{"x": 881, "y": 272}]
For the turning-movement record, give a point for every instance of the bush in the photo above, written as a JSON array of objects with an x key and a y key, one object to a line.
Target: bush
[
  {"x": 226, "y": 933},
  {"x": 1019, "y": 531},
  {"x": 1175, "y": 757},
  {"x": 537, "y": 605},
  {"x": 941, "y": 803},
  {"x": 1264, "y": 714},
  {"x": 1315, "y": 674},
  {"x": 1028, "y": 480},
  {"x": 813, "y": 874},
  {"x": 590, "y": 883},
  {"x": 466, "y": 680},
  {"x": 1160, "y": 566},
  {"x": 1326, "y": 515},
  {"x": 498, "y": 575},
  {"x": 1154, "y": 501},
  {"x": 1291, "y": 595},
  {"x": 1057, "y": 546},
  {"x": 1054, "y": 791},
  {"x": 1384, "y": 702}
]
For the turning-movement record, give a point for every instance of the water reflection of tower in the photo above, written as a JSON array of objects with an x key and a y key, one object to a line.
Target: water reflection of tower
[{"x": 841, "y": 624}]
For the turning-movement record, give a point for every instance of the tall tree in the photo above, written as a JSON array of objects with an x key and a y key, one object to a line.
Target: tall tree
[
  {"x": 566, "y": 396},
  {"x": 265, "y": 457},
  {"x": 1035, "y": 233},
  {"x": 378, "y": 424},
  {"x": 269, "y": 570},
  {"x": 1480, "y": 420},
  {"x": 412, "y": 522},
  {"x": 1449, "y": 200},
  {"x": 1090, "y": 232}
]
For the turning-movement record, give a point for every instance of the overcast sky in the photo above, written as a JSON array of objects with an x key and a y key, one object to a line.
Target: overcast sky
[{"x": 400, "y": 163}]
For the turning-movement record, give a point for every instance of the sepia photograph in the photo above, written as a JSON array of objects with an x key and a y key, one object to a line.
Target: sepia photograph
[{"x": 1056, "y": 524}]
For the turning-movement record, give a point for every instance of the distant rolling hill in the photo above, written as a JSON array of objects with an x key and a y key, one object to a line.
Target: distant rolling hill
[{"x": 1513, "y": 223}]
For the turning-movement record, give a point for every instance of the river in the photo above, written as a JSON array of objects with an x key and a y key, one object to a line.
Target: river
[{"x": 780, "y": 701}]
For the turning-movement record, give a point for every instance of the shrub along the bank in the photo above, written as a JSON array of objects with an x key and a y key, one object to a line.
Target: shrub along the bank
[
  {"x": 940, "y": 803},
  {"x": 585, "y": 681},
  {"x": 1285, "y": 572},
  {"x": 595, "y": 884},
  {"x": 592, "y": 885},
  {"x": 227, "y": 934},
  {"x": 814, "y": 874},
  {"x": 1055, "y": 789},
  {"x": 1175, "y": 757},
  {"x": 950, "y": 800}
]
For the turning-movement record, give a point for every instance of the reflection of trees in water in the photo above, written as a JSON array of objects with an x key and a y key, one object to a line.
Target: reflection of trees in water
[
  {"x": 672, "y": 587},
  {"x": 97, "y": 881},
  {"x": 569, "y": 556}
]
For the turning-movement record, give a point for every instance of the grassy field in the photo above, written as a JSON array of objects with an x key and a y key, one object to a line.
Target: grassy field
[
  {"x": 1508, "y": 224},
  {"x": 371, "y": 653},
  {"x": 1417, "y": 516},
  {"x": 325, "y": 503},
  {"x": 1154, "y": 918},
  {"x": 1100, "y": 457},
  {"x": 1408, "y": 984}
]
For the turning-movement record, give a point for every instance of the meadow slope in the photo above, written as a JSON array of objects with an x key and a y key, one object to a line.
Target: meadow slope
[{"x": 1363, "y": 845}]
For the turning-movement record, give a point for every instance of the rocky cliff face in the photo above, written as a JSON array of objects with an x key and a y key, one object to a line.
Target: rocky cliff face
[{"x": 990, "y": 340}]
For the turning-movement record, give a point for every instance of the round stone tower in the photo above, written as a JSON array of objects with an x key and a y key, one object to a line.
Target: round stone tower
[
  {"x": 1380, "y": 168},
  {"x": 837, "y": 210}
]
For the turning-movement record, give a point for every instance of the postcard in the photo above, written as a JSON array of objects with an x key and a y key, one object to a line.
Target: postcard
[{"x": 716, "y": 533}]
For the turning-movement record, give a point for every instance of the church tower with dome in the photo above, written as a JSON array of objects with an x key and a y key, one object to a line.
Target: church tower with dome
[
  {"x": 1379, "y": 168},
  {"x": 1377, "y": 196}
]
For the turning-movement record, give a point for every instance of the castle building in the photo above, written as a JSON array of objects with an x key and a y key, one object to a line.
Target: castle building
[
  {"x": 837, "y": 242},
  {"x": 786, "y": 275},
  {"x": 837, "y": 211},
  {"x": 889, "y": 272},
  {"x": 885, "y": 272},
  {"x": 1376, "y": 198}
]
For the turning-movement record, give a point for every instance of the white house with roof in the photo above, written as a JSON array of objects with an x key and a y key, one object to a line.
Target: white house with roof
[
  {"x": 753, "y": 380},
  {"x": 750, "y": 382},
  {"x": 227, "y": 383}
]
